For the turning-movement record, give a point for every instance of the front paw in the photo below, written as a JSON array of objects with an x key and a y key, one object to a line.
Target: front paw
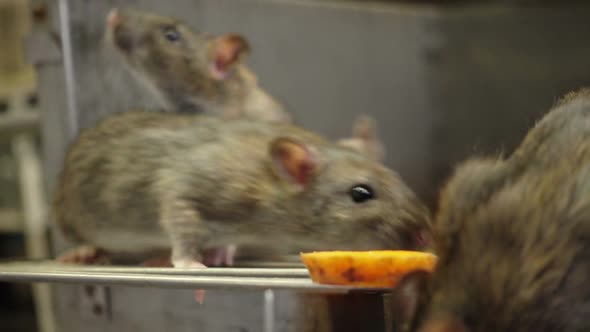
[
  {"x": 222, "y": 256},
  {"x": 199, "y": 294},
  {"x": 187, "y": 264}
]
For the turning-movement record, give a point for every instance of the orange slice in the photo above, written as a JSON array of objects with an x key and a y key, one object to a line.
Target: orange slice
[{"x": 380, "y": 268}]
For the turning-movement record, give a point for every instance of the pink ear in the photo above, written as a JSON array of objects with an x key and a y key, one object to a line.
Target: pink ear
[
  {"x": 225, "y": 52},
  {"x": 293, "y": 161}
]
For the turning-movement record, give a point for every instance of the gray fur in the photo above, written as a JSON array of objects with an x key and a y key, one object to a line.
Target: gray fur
[
  {"x": 179, "y": 73},
  {"x": 208, "y": 182}
]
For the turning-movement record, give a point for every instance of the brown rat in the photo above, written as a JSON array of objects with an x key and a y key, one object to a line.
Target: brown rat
[
  {"x": 513, "y": 235},
  {"x": 148, "y": 181},
  {"x": 188, "y": 70},
  {"x": 365, "y": 140}
]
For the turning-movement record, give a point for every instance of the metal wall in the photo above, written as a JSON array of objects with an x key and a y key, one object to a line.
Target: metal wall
[{"x": 443, "y": 83}]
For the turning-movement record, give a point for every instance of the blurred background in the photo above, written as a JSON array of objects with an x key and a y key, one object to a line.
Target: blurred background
[
  {"x": 19, "y": 144},
  {"x": 445, "y": 80}
]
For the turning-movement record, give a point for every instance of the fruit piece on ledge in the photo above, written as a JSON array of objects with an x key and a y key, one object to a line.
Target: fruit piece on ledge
[{"x": 378, "y": 269}]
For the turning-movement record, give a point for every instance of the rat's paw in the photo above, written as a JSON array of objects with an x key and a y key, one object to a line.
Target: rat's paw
[
  {"x": 161, "y": 261},
  {"x": 187, "y": 264},
  {"x": 85, "y": 255},
  {"x": 223, "y": 256},
  {"x": 200, "y": 296}
]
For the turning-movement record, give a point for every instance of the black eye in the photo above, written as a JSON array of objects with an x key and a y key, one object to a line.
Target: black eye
[
  {"x": 171, "y": 33},
  {"x": 361, "y": 193}
]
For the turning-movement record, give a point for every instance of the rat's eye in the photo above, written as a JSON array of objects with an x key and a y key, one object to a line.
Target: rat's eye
[
  {"x": 361, "y": 193},
  {"x": 171, "y": 33}
]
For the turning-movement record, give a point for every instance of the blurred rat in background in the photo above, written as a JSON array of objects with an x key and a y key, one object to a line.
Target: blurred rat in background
[{"x": 513, "y": 237}]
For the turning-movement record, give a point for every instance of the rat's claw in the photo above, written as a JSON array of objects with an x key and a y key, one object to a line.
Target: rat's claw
[
  {"x": 200, "y": 296},
  {"x": 220, "y": 256},
  {"x": 187, "y": 263},
  {"x": 163, "y": 261},
  {"x": 230, "y": 252}
]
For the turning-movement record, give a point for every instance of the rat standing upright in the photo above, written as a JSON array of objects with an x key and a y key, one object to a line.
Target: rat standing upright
[{"x": 191, "y": 71}]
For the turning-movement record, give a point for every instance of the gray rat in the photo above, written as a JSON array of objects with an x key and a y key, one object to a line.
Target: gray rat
[
  {"x": 188, "y": 70},
  {"x": 513, "y": 236},
  {"x": 147, "y": 181}
]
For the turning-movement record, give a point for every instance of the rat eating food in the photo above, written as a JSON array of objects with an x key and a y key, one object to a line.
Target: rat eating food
[{"x": 146, "y": 181}]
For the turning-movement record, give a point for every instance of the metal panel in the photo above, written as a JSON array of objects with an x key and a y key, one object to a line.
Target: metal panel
[{"x": 497, "y": 72}]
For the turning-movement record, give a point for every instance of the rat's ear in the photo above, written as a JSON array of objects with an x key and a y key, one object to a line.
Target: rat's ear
[
  {"x": 409, "y": 299},
  {"x": 365, "y": 139},
  {"x": 225, "y": 52},
  {"x": 293, "y": 161}
]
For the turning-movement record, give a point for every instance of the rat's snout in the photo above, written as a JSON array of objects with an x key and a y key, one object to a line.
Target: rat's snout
[{"x": 113, "y": 18}]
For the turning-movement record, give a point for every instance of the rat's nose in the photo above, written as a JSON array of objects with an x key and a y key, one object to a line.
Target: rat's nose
[{"x": 113, "y": 18}]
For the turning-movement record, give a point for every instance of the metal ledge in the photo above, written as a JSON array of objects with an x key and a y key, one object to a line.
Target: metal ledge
[
  {"x": 212, "y": 278},
  {"x": 51, "y": 266}
]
